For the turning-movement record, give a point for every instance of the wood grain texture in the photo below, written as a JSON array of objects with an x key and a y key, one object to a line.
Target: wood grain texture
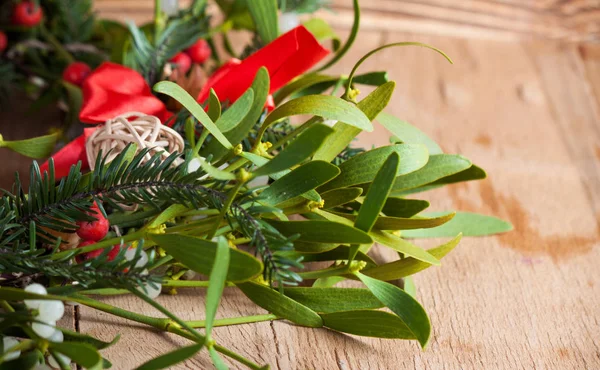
[{"x": 528, "y": 112}]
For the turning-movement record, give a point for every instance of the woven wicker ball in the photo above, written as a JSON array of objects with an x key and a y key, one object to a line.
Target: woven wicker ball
[{"x": 133, "y": 127}]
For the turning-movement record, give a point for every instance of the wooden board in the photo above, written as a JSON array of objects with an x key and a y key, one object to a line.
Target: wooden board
[{"x": 526, "y": 111}]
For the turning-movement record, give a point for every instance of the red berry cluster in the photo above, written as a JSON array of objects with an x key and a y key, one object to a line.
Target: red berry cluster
[
  {"x": 27, "y": 14},
  {"x": 92, "y": 232},
  {"x": 197, "y": 53}
]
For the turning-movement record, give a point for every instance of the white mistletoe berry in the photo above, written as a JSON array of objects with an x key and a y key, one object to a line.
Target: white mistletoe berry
[
  {"x": 52, "y": 362},
  {"x": 194, "y": 165},
  {"x": 170, "y": 7},
  {"x": 288, "y": 21},
  {"x": 37, "y": 289},
  {"x": 151, "y": 291},
  {"x": 44, "y": 330},
  {"x": 7, "y": 344},
  {"x": 50, "y": 311},
  {"x": 57, "y": 337}
]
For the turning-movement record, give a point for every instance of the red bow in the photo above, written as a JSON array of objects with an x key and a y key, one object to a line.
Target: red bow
[
  {"x": 113, "y": 89},
  {"x": 69, "y": 155},
  {"x": 288, "y": 56}
]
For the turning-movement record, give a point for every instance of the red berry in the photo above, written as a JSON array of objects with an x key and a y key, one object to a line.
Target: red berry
[
  {"x": 95, "y": 230},
  {"x": 89, "y": 255},
  {"x": 114, "y": 252},
  {"x": 3, "y": 41},
  {"x": 182, "y": 61},
  {"x": 27, "y": 14},
  {"x": 199, "y": 52},
  {"x": 76, "y": 73}
]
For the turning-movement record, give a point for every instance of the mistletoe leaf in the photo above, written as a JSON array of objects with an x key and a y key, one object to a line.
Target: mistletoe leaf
[
  {"x": 172, "y": 358},
  {"x": 374, "y": 103},
  {"x": 280, "y": 305},
  {"x": 409, "y": 266},
  {"x": 338, "y": 197},
  {"x": 362, "y": 168},
  {"x": 297, "y": 151},
  {"x": 214, "y": 107},
  {"x": 216, "y": 359},
  {"x": 469, "y": 224},
  {"x": 407, "y": 133},
  {"x": 37, "y": 147},
  {"x": 304, "y": 178},
  {"x": 81, "y": 353},
  {"x": 328, "y": 300},
  {"x": 368, "y": 323},
  {"x": 315, "y": 231},
  {"x": 236, "y": 113},
  {"x": 199, "y": 255},
  {"x": 400, "y": 207},
  {"x": 399, "y": 223},
  {"x": 402, "y": 304},
  {"x": 402, "y": 246},
  {"x": 178, "y": 93},
  {"x": 438, "y": 167},
  {"x": 264, "y": 14},
  {"x": 216, "y": 283}
]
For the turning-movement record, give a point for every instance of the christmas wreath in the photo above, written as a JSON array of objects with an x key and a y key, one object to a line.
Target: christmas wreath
[{"x": 180, "y": 181}]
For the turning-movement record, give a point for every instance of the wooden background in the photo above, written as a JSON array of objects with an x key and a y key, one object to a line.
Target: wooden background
[{"x": 523, "y": 101}]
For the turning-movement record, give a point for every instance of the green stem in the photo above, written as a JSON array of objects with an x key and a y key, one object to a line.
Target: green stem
[
  {"x": 60, "y": 50},
  {"x": 158, "y": 20},
  {"x": 200, "y": 141},
  {"x": 119, "y": 219},
  {"x": 296, "y": 132},
  {"x": 6, "y": 306},
  {"x": 225, "y": 208},
  {"x": 235, "y": 320}
]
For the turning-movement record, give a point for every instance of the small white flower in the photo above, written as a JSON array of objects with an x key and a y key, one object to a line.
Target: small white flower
[
  {"x": 288, "y": 21},
  {"x": 7, "y": 344},
  {"x": 51, "y": 311},
  {"x": 57, "y": 337},
  {"x": 37, "y": 289},
  {"x": 52, "y": 362},
  {"x": 44, "y": 330}
]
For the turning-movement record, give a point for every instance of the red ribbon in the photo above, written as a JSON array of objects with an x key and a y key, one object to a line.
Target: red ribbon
[
  {"x": 113, "y": 89},
  {"x": 288, "y": 56},
  {"x": 69, "y": 155}
]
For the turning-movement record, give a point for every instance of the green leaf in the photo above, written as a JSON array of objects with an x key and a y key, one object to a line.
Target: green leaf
[
  {"x": 326, "y": 106},
  {"x": 338, "y": 197},
  {"x": 407, "y": 133},
  {"x": 472, "y": 173},
  {"x": 400, "y": 207},
  {"x": 71, "y": 336},
  {"x": 343, "y": 135},
  {"x": 199, "y": 255},
  {"x": 260, "y": 86},
  {"x": 368, "y": 323},
  {"x": 26, "y": 360},
  {"x": 82, "y": 354},
  {"x": 214, "y": 106},
  {"x": 409, "y": 266},
  {"x": 327, "y": 300},
  {"x": 328, "y": 282},
  {"x": 37, "y": 147},
  {"x": 399, "y": 223},
  {"x": 235, "y": 114},
  {"x": 304, "y": 178},
  {"x": 337, "y": 254},
  {"x": 214, "y": 172},
  {"x": 314, "y": 231},
  {"x": 438, "y": 167},
  {"x": 378, "y": 193},
  {"x": 400, "y": 245},
  {"x": 216, "y": 283},
  {"x": 216, "y": 359},
  {"x": 264, "y": 14},
  {"x": 280, "y": 305},
  {"x": 168, "y": 214},
  {"x": 172, "y": 358},
  {"x": 353, "y": 33},
  {"x": 362, "y": 168},
  {"x": 184, "y": 98},
  {"x": 403, "y": 305},
  {"x": 469, "y": 224},
  {"x": 309, "y": 247},
  {"x": 297, "y": 151},
  {"x": 410, "y": 287},
  {"x": 372, "y": 79}
]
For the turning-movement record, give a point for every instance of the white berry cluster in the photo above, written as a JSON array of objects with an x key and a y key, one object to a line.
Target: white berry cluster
[{"x": 49, "y": 312}]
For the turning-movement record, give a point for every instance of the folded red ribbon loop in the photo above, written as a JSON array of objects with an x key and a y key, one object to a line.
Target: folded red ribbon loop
[{"x": 113, "y": 89}]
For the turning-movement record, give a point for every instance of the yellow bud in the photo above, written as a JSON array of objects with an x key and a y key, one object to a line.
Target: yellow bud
[
  {"x": 356, "y": 266},
  {"x": 238, "y": 149},
  {"x": 353, "y": 93}
]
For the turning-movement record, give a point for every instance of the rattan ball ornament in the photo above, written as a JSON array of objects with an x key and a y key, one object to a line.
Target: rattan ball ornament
[{"x": 133, "y": 127}]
